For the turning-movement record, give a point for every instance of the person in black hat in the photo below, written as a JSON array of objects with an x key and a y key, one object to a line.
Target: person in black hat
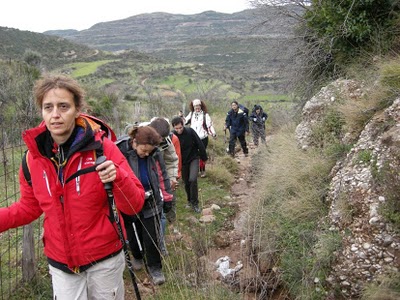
[{"x": 258, "y": 118}]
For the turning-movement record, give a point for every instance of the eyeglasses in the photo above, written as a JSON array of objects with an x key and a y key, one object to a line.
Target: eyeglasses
[{"x": 165, "y": 143}]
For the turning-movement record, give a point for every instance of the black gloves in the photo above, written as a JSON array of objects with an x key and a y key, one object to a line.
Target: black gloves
[{"x": 167, "y": 206}]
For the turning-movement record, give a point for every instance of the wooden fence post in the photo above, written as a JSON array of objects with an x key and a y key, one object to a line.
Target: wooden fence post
[{"x": 28, "y": 254}]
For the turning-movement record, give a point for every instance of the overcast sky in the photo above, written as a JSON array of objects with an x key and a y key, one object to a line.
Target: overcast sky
[{"x": 42, "y": 15}]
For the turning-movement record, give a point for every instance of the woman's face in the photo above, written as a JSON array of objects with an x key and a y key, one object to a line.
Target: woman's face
[
  {"x": 234, "y": 106},
  {"x": 143, "y": 150},
  {"x": 59, "y": 113},
  {"x": 197, "y": 108}
]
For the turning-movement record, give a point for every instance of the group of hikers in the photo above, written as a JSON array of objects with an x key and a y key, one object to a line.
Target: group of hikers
[
  {"x": 237, "y": 122},
  {"x": 89, "y": 185}
]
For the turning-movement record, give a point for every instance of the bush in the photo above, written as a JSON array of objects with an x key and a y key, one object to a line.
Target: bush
[{"x": 348, "y": 26}]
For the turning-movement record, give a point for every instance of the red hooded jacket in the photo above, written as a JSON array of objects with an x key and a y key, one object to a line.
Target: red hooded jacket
[{"x": 77, "y": 228}]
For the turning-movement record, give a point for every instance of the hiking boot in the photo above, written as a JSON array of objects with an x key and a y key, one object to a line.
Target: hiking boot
[
  {"x": 156, "y": 275},
  {"x": 188, "y": 206},
  {"x": 246, "y": 154},
  {"x": 163, "y": 249},
  {"x": 137, "y": 264},
  {"x": 196, "y": 209},
  {"x": 203, "y": 174}
]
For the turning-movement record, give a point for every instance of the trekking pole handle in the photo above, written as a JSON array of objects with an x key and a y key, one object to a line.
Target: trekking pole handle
[
  {"x": 114, "y": 212},
  {"x": 99, "y": 161}
]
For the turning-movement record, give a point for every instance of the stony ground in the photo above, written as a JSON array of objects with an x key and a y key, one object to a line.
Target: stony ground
[{"x": 234, "y": 243}]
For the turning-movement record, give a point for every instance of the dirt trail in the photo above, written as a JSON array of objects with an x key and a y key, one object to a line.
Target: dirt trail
[{"x": 235, "y": 242}]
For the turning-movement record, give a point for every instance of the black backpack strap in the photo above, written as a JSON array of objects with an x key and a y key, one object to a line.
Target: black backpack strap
[
  {"x": 81, "y": 172},
  {"x": 27, "y": 173},
  {"x": 205, "y": 122},
  {"x": 25, "y": 168},
  {"x": 99, "y": 152}
]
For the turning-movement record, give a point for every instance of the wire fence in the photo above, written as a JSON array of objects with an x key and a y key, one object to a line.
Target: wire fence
[{"x": 20, "y": 248}]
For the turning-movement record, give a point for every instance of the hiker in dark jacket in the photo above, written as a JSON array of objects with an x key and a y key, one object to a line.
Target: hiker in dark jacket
[
  {"x": 238, "y": 124},
  {"x": 258, "y": 118},
  {"x": 192, "y": 149},
  {"x": 140, "y": 149}
]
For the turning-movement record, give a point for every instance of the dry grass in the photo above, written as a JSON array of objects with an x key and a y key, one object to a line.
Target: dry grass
[
  {"x": 385, "y": 288},
  {"x": 287, "y": 208}
]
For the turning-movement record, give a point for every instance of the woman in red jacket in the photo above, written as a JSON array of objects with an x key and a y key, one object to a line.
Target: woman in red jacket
[{"x": 81, "y": 243}]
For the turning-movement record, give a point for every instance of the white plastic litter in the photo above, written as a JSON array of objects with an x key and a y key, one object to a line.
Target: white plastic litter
[{"x": 222, "y": 265}]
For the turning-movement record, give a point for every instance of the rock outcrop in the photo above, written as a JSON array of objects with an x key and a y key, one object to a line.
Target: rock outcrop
[
  {"x": 370, "y": 246},
  {"x": 316, "y": 107}
]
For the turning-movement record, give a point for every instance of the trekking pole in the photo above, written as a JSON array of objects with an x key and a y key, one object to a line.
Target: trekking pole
[
  {"x": 137, "y": 238},
  {"x": 114, "y": 215},
  {"x": 225, "y": 140}
]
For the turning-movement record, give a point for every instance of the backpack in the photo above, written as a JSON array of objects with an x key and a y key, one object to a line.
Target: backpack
[
  {"x": 244, "y": 108},
  {"x": 122, "y": 144}
]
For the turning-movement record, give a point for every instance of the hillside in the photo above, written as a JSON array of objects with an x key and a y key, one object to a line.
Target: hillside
[
  {"x": 55, "y": 51},
  {"x": 234, "y": 42}
]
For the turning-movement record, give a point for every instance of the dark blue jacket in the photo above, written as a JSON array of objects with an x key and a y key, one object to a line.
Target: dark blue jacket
[
  {"x": 237, "y": 122},
  {"x": 258, "y": 120}
]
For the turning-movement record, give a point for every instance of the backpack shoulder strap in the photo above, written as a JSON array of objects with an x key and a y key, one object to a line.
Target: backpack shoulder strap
[
  {"x": 27, "y": 173},
  {"x": 25, "y": 168},
  {"x": 204, "y": 122}
]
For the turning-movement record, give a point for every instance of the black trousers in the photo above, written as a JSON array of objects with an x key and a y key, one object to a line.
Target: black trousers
[
  {"x": 148, "y": 230},
  {"x": 189, "y": 177},
  {"x": 242, "y": 140}
]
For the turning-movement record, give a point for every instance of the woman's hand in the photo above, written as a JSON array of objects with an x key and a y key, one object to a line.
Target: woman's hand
[
  {"x": 174, "y": 185},
  {"x": 107, "y": 171}
]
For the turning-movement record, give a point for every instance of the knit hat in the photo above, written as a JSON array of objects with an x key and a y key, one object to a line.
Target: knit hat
[{"x": 196, "y": 102}]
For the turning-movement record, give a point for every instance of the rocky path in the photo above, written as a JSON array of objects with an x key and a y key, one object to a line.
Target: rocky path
[{"x": 234, "y": 244}]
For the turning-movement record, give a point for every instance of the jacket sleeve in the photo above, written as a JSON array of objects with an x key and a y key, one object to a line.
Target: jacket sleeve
[
  {"x": 210, "y": 127},
  {"x": 228, "y": 120},
  {"x": 22, "y": 212},
  {"x": 177, "y": 145},
  {"x": 127, "y": 189},
  {"x": 171, "y": 160},
  {"x": 188, "y": 118},
  {"x": 165, "y": 184},
  {"x": 200, "y": 145}
]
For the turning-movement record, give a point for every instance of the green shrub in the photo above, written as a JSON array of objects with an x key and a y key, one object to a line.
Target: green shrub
[
  {"x": 350, "y": 26},
  {"x": 364, "y": 156}
]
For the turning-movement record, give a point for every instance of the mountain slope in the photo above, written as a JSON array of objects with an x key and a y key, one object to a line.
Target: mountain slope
[
  {"x": 231, "y": 41},
  {"x": 55, "y": 51}
]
